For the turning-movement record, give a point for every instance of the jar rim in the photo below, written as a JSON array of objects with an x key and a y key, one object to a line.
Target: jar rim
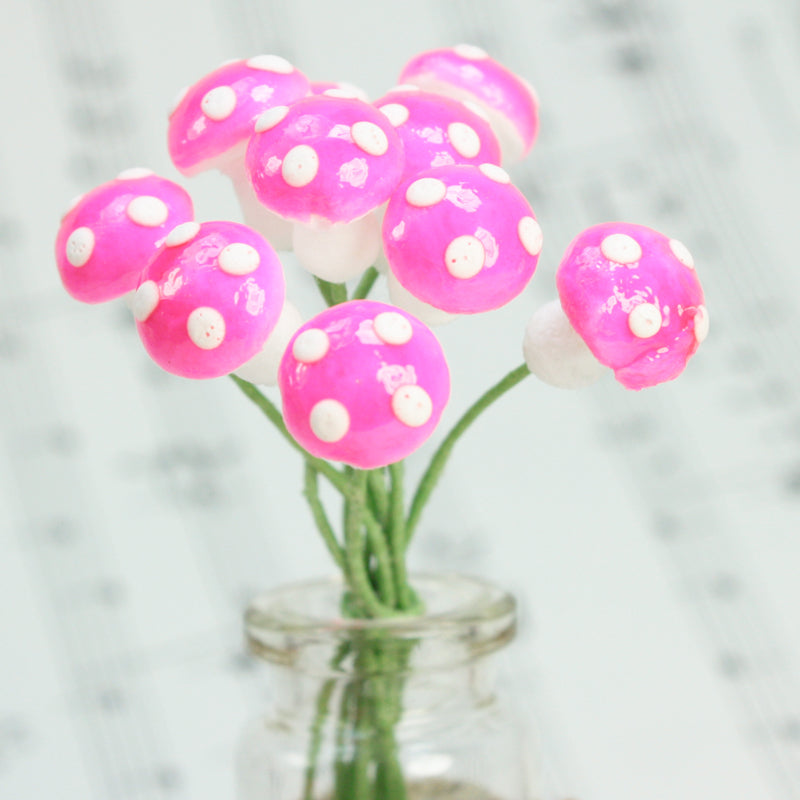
[{"x": 296, "y": 624}]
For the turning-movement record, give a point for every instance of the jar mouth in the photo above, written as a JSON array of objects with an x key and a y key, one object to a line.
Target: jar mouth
[{"x": 300, "y": 624}]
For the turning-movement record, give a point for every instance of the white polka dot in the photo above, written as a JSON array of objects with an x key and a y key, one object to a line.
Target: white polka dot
[
  {"x": 464, "y": 257},
  {"x": 133, "y": 173},
  {"x": 396, "y": 113},
  {"x": 329, "y": 420},
  {"x": 206, "y": 327},
  {"x": 147, "y": 211},
  {"x": 701, "y": 324},
  {"x": 530, "y": 234},
  {"x": 182, "y": 233},
  {"x": 495, "y": 173},
  {"x": 426, "y": 192},
  {"x": 644, "y": 321},
  {"x": 219, "y": 103},
  {"x": 311, "y": 345},
  {"x": 300, "y": 165},
  {"x": 370, "y": 138},
  {"x": 466, "y": 142},
  {"x": 470, "y": 51},
  {"x": 681, "y": 252},
  {"x": 621, "y": 248},
  {"x": 145, "y": 300},
  {"x": 270, "y": 63},
  {"x": 178, "y": 99},
  {"x": 392, "y": 327},
  {"x": 405, "y": 87},
  {"x": 80, "y": 246},
  {"x": 239, "y": 259},
  {"x": 412, "y": 405},
  {"x": 270, "y": 118}
]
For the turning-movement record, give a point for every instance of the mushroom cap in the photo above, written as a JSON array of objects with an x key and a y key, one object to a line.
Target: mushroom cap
[
  {"x": 633, "y": 296},
  {"x": 110, "y": 233},
  {"x": 363, "y": 383},
  {"x": 467, "y": 72},
  {"x": 217, "y": 113},
  {"x": 437, "y": 130},
  {"x": 324, "y": 159},
  {"x": 461, "y": 238},
  {"x": 208, "y": 301}
]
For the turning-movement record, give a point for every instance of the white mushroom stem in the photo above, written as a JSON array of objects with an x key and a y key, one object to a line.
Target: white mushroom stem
[
  {"x": 338, "y": 251},
  {"x": 262, "y": 368},
  {"x": 555, "y": 353},
  {"x": 402, "y": 298},
  {"x": 276, "y": 230}
]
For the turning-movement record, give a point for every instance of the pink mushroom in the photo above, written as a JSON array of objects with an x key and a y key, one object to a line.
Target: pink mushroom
[
  {"x": 212, "y": 121},
  {"x": 327, "y": 163},
  {"x": 468, "y": 73},
  {"x": 632, "y": 296},
  {"x": 436, "y": 131},
  {"x": 461, "y": 238},
  {"x": 210, "y": 298},
  {"x": 109, "y": 234},
  {"x": 363, "y": 383}
]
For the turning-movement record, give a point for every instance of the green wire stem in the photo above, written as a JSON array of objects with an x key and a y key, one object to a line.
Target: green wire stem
[
  {"x": 360, "y": 584},
  {"x": 320, "y": 517},
  {"x": 365, "y": 284},
  {"x": 276, "y": 418},
  {"x": 439, "y": 459},
  {"x": 376, "y": 486},
  {"x": 397, "y": 534},
  {"x": 332, "y": 293}
]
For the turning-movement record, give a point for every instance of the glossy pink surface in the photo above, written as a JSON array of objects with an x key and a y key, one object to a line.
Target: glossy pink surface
[
  {"x": 196, "y": 137},
  {"x": 198, "y": 319},
  {"x": 436, "y": 131},
  {"x": 600, "y": 296},
  {"x": 347, "y": 181},
  {"x": 467, "y": 71},
  {"x": 111, "y": 232},
  {"x": 366, "y": 376},
  {"x": 478, "y": 217}
]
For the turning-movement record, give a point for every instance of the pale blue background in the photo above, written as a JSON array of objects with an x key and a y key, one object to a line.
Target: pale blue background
[{"x": 652, "y": 538}]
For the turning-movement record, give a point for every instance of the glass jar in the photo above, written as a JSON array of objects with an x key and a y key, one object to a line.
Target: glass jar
[{"x": 397, "y": 709}]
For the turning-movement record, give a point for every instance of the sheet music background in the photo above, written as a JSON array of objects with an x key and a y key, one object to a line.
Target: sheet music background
[{"x": 652, "y": 538}]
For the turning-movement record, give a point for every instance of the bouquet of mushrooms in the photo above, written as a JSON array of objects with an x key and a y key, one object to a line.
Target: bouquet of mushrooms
[{"x": 411, "y": 189}]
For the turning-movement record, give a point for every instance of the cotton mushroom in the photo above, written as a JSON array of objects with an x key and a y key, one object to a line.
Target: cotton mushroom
[
  {"x": 363, "y": 383},
  {"x": 468, "y": 73},
  {"x": 633, "y": 297},
  {"x": 110, "y": 233},
  {"x": 327, "y": 164},
  {"x": 212, "y": 121},
  {"x": 461, "y": 238},
  {"x": 210, "y": 298},
  {"x": 437, "y": 131}
]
